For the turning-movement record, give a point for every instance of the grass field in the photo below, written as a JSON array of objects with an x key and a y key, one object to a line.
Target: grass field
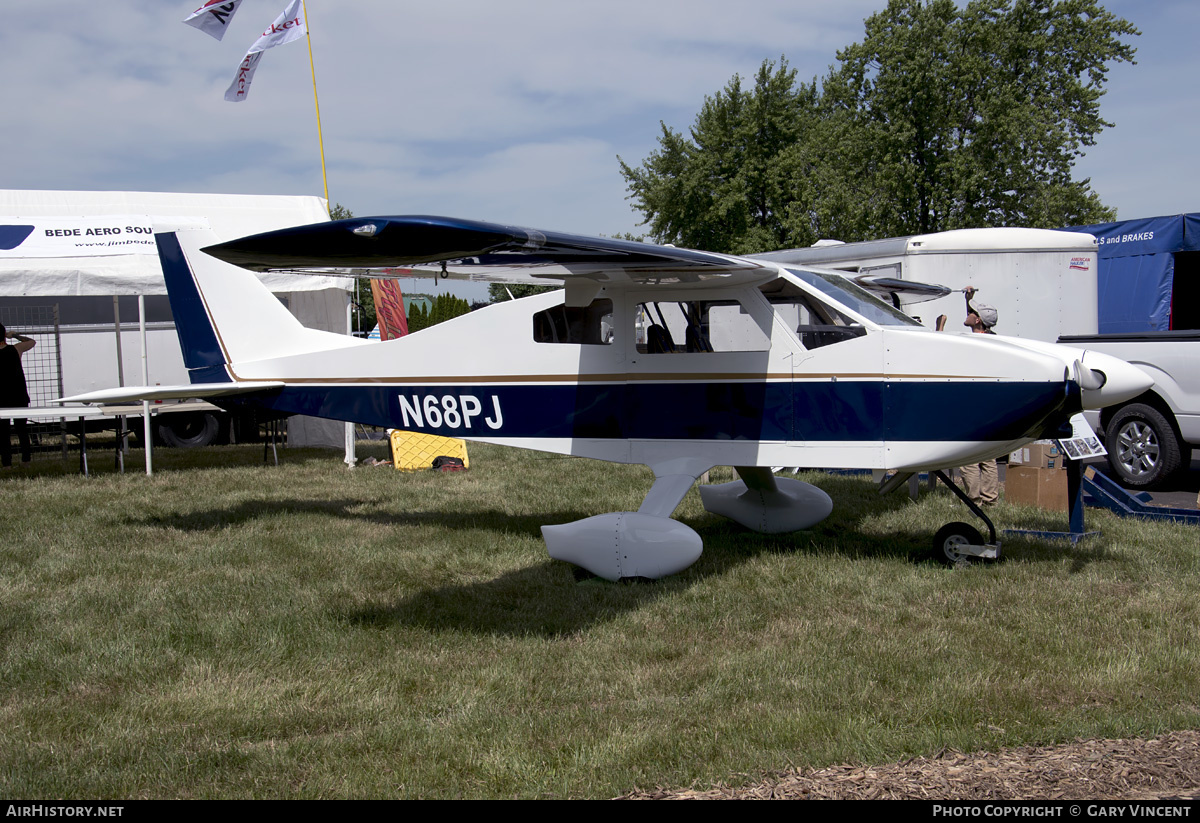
[{"x": 227, "y": 629}]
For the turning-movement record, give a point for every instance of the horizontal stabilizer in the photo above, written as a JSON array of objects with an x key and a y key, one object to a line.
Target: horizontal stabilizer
[{"x": 132, "y": 394}]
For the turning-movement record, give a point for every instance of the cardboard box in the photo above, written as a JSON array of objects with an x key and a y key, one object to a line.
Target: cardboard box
[
  {"x": 1042, "y": 487},
  {"x": 1043, "y": 454}
]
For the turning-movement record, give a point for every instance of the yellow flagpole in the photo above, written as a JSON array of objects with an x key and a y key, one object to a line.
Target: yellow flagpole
[{"x": 312, "y": 67}]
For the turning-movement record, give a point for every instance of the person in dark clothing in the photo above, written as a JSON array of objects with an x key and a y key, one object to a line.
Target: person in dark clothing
[{"x": 13, "y": 394}]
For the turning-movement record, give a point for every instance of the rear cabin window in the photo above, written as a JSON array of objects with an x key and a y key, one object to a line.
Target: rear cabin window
[
  {"x": 589, "y": 325},
  {"x": 698, "y": 326}
]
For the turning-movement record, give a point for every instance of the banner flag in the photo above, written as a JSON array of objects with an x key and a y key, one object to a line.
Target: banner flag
[
  {"x": 241, "y": 82},
  {"x": 389, "y": 309},
  {"x": 287, "y": 27},
  {"x": 213, "y": 17}
]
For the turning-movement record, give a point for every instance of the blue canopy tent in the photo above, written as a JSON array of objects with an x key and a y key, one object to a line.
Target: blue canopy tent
[{"x": 1149, "y": 273}]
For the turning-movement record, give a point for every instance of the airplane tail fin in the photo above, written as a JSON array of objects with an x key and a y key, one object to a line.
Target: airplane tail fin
[{"x": 224, "y": 316}]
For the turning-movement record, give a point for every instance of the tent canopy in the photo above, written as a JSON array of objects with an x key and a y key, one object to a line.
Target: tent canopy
[{"x": 55, "y": 243}]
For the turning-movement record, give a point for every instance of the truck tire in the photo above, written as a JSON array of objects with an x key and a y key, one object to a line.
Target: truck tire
[
  {"x": 1142, "y": 447},
  {"x": 187, "y": 431}
]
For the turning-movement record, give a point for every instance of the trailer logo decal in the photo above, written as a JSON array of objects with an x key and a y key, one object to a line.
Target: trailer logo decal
[{"x": 1081, "y": 263}]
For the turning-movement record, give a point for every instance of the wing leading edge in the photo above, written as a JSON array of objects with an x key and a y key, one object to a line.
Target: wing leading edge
[{"x": 389, "y": 242}]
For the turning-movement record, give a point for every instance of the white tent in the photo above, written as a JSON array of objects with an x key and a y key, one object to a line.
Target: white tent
[
  {"x": 90, "y": 243},
  {"x": 81, "y": 265}
]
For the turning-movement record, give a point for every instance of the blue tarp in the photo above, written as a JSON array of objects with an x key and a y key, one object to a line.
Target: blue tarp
[{"x": 1137, "y": 269}]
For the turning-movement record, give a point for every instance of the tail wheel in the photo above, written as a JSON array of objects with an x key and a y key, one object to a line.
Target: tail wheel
[{"x": 950, "y": 541}]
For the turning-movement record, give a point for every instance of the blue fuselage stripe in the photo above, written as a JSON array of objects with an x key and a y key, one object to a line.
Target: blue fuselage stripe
[{"x": 773, "y": 411}]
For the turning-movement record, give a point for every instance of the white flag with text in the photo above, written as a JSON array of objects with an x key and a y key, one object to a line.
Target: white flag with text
[
  {"x": 287, "y": 27},
  {"x": 213, "y": 17}
]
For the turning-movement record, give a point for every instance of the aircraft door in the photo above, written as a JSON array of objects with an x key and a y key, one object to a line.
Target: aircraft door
[
  {"x": 581, "y": 340},
  {"x": 832, "y": 400},
  {"x": 699, "y": 367}
]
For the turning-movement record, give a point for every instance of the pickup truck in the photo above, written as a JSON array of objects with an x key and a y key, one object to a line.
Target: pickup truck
[{"x": 1150, "y": 437}]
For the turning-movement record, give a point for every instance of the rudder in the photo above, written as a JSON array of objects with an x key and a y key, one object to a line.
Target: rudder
[{"x": 202, "y": 353}]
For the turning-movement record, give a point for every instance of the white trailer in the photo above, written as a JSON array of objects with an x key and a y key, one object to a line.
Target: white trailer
[{"x": 1042, "y": 283}]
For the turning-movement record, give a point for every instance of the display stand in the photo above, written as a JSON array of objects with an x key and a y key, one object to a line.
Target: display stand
[{"x": 1074, "y": 470}]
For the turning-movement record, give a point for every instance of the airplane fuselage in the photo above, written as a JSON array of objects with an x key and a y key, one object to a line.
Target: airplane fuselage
[{"x": 854, "y": 400}]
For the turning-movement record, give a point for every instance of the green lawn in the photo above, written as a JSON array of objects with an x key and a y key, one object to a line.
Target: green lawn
[{"x": 227, "y": 629}]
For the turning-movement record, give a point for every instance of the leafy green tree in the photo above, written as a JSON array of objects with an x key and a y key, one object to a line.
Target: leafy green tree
[
  {"x": 724, "y": 188},
  {"x": 418, "y": 317},
  {"x": 499, "y": 292},
  {"x": 444, "y": 307},
  {"x": 974, "y": 116},
  {"x": 942, "y": 117}
]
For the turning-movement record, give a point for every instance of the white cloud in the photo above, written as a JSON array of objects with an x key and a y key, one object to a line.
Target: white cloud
[{"x": 511, "y": 111}]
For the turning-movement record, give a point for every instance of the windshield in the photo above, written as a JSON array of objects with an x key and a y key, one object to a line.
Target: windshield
[{"x": 854, "y": 297}]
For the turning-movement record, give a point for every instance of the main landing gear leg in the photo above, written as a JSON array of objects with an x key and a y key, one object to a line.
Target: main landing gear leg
[{"x": 960, "y": 542}]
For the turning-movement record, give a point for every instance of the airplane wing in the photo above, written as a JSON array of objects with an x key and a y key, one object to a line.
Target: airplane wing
[
  {"x": 476, "y": 250},
  {"x": 129, "y": 394},
  {"x": 892, "y": 287}
]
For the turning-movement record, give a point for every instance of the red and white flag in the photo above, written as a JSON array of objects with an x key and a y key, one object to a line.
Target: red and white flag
[
  {"x": 213, "y": 17},
  {"x": 287, "y": 27}
]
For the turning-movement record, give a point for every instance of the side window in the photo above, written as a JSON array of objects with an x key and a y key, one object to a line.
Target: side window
[
  {"x": 589, "y": 325},
  {"x": 697, "y": 326}
]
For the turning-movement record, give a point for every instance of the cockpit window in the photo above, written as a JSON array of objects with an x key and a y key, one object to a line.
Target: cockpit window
[
  {"x": 854, "y": 297},
  {"x": 589, "y": 325},
  {"x": 815, "y": 322}
]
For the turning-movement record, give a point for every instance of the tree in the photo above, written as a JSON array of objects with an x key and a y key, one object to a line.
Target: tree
[
  {"x": 942, "y": 117},
  {"x": 444, "y": 307},
  {"x": 500, "y": 292},
  {"x": 725, "y": 189},
  {"x": 976, "y": 116}
]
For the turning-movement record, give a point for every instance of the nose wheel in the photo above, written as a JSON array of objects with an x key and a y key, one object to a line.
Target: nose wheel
[
  {"x": 953, "y": 543},
  {"x": 960, "y": 543}
]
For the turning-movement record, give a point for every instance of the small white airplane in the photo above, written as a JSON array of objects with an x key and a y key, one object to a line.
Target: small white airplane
[{"x": 677, "y": 359}]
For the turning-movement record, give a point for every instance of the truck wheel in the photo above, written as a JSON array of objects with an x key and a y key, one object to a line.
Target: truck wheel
[
  {"x": 188, "y": 431},
  {"x": 1142, "y": 448}
]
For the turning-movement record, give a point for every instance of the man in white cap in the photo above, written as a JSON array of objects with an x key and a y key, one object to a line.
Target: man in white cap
[
  {"x": 982, "y": 479},
  {"x": 980, "y": 316}
]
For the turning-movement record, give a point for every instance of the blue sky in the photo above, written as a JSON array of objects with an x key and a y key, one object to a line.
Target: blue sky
[{"x": 512, "y": 112}]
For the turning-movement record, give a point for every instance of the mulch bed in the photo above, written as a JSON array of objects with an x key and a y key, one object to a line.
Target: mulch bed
[{"x": 1166, "y": 767}]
